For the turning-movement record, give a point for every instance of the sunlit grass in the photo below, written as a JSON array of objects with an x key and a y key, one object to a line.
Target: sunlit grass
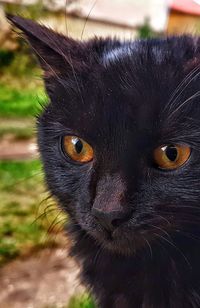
[
  {"x": 22, "y": 191},
  {"x": 15, "y": 102},
  {"x": 83, "y": 301}
]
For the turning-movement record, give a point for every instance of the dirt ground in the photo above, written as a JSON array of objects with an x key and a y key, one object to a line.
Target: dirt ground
[
  {"x": 46, "y": 279},
  {"x": 11, "y": 149}
]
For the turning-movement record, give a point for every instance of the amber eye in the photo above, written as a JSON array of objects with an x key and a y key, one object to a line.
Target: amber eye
[
  {"x": 171, "y": 156},
  {"x": 77, "y": 149}
]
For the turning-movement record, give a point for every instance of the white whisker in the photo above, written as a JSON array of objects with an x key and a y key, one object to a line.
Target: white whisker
[
  {"x": 173, "y": 97},
  {"x": 183, "y": 103}
]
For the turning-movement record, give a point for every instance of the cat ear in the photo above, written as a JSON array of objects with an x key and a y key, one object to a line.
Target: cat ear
[{"x": 57, "y": 54}]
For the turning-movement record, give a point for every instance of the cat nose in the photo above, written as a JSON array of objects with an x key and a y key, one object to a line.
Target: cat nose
[{"x": 111, "y": 219}]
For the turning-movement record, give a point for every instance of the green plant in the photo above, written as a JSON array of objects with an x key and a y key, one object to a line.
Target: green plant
[
  {"x": 83, "y": 301},
  {"x": 25, "y": 219},
  {"x": 6, "y": 57},
  {"x": 33, "y": 11},
  {"x": 15, "y": 102},
  {"x": 145, "y": 31},
  {"x": 19, "y": 62}
]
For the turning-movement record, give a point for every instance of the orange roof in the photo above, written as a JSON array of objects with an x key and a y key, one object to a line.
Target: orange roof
[{"x": 186, "y": 6}]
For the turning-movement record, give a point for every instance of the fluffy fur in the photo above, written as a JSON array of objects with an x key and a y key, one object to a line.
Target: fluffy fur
[{"x": 125, "y": 99}]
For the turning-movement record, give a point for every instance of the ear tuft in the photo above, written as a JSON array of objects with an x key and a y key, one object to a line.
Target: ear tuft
[
  {"x": 35, "y": 31},
  {"x": 55, "y": 52},
  {"x": 27, "y": 26},
  {"x": 18, "y": 21}
]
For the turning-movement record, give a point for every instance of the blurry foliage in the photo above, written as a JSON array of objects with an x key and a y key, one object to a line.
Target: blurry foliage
[
  {"x": 22, "y": 63},
  {"x": 145, "y": 31},
  {"x": 83, "y": 301},
  {"x": 15, "y": 102},
  {"x": 19, "y": 62},
  {"x": 25, "y": 221},
  {"x": 33, "y": 11},
  {"x": 18, "y": 133},
  {"x": 20, "y": 203},
  {"x": 6, "y": 57},
  {"x": 18, "y": 85}
]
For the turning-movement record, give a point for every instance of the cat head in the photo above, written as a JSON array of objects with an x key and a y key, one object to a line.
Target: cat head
[{"x": 120, "y": 137}]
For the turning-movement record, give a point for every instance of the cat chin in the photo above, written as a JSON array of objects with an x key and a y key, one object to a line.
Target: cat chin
[{"x": 119, "y": 243}]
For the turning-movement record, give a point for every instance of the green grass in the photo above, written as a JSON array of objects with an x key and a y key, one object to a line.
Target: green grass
[
  {"x": 83, "y": 301},
  {"x": 21, "y": 191},
  {"x": 15, "y": 102}
]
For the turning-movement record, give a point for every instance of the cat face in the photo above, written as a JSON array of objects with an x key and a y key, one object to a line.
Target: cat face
[{"x": 120, "y": 138}]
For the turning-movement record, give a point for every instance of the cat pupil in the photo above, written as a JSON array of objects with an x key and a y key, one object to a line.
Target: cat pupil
[
  {"x": 171, "y": 153},
  {"x": 78, "y": 146}
]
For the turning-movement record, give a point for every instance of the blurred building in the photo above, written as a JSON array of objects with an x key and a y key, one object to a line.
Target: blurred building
[
  {"x": 184, "y": 17},
  {"x": 121, "y": 18}
]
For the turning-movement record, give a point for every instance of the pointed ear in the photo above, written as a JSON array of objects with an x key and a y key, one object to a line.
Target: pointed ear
[{"x": 57, "y": 54}]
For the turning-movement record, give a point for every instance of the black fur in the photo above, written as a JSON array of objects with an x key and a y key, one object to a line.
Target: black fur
[{"x": 125, "y": 99}]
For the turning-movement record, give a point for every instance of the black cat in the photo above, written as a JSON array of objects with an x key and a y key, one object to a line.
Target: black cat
[{"x": 120, "y": 144}]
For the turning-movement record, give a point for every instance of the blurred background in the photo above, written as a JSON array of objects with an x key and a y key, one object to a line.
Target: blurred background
[{"x": 35, "y": 268}]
